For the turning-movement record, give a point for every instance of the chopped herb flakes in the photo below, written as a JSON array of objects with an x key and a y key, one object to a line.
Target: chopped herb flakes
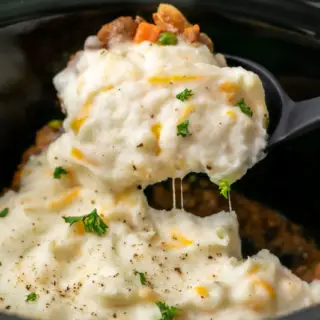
[
  {"x": 73, "y": 220},
  {"x": 224, "y": 187},
  {"x": 244, "y": 108},
  {"x": 267, "y": 122},
  {"x": 31, "y": 297},
  {"x": 103, "y": 52},
  {"x": 167, "y": 312},
  {"x": 4, "y": 212},
  {"x": 58, "y": 171},
  {"x": 184, "y": 95},
  {"x": 91, "y": 222},
  {"x": 167, "y": 39},
  {"x": 183, "y": 129},
  {"x": 142, "y": 277},
  {"x": 55, "y": 124}
]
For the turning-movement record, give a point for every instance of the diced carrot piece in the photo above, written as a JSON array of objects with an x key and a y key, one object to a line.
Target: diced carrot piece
[{"x": 146, "y": 32}]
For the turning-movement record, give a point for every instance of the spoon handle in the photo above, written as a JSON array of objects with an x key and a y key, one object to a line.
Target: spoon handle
[{"x": 297, "y": 118}]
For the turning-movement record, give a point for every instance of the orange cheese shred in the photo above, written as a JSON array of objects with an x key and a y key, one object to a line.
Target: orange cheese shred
[
  {"x": 230, "y": 89},
  {"x": 186, "y": 112},
  {"x": 266, "y": 286},
  {"x": 231, "y": 114},
  {"x": 83, "y": 115},
  {"x": 156, "y": 130},
  {"x": 64, "y": 200},
  {"x": 78, "y": 155},
  {"x": 253, "y": 269},
  {"x": 202, "y": 291},
  {"x": 168, "y": 79},
  {"x": 176, "y": 235},
  {"x": 78, "y": 228},
  {"x": 179, "y": 241}
]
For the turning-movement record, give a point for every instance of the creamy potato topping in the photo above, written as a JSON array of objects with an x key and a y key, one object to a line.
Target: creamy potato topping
[
  {"x": 188, "y": 262},
  {"x": 123, "y": 114},
  {"x": 79, "y": 241}
]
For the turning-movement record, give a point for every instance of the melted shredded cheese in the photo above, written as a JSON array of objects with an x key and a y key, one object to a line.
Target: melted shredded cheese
[
  {"x": 77, "y": 122},
  {"x": 202, "y": 291},
  {"x": 156, "y": 130},
  {"x": 266, "y": 286},
  {"x": 186, "y": 112},
  {"x": 64, "y": 200},
  {"x": 173, "y": 79}
]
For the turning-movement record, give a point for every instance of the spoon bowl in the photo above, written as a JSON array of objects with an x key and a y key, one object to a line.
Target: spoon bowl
[{"x": 288, "y": 119}]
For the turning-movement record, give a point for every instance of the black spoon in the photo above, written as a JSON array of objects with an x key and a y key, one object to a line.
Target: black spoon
[{"x": 289, "y": 119}]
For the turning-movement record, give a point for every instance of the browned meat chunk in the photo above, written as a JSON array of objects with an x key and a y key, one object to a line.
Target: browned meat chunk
[
  {"x": 167, "y": 18},
  {"x": 191, "y": 34},
  {"x": 170, "y": 19},
  {"x": 118, "y": 30}
]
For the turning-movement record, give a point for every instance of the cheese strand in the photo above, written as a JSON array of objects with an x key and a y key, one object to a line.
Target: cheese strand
[
  {"x": 174, "y": 193},
  {"x": 181, "y": 194},
  {"x": 229, "y": 200}
]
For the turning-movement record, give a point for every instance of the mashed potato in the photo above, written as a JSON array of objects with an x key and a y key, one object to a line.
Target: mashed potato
[
  {"x": 123, "y": 111},
  {"x": 79, "y": 241},
  {"x": 188, "y": 262}
]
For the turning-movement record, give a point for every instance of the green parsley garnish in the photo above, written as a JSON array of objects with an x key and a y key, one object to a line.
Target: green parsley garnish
[
  {"x": 184, "y": 95},
  {"x": 55, "y": 124},
  {"x": 73, "y": 220},
  {"x": 167, "y": 39},
  {"x": 31, "y": 297},
  {"x": 103, "y": 52},
  {"x": 4, "y": 212},
  {"x": 167, "y": 312},
  {"x": 224, "y": 187},
  {"x": 91, "y": 222},
  {"x": 267, "y": 122},
  {"x": 183, "y": 129},
  {"x": 58, "y": 171},
  {"x": 142, "y": 277},
  {"x": 244, "y": 108}
]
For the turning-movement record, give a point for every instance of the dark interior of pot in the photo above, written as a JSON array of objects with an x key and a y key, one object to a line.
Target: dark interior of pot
[{"x": 276, "y": 201}]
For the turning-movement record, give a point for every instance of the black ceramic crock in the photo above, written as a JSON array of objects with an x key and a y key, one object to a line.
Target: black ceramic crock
[{"x": 37, "y": 37}]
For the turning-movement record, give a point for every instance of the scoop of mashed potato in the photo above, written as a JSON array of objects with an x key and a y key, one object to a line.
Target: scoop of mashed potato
[
  {"x": 140, "y": 113},
  {"x": 190, "y": 263}
]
